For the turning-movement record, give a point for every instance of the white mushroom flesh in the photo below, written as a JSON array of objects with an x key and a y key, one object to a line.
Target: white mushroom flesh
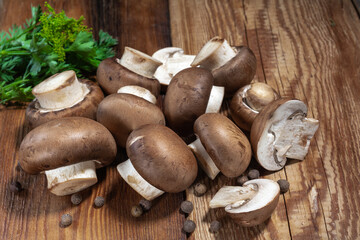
[
  {"x": 139, "y": 62},
  {"x": 233, "y": 195},
  {"x": 139, "y": 92},
  {"x": 288, "y": 136},
  {"x": 164, "y": 53},
  {"x": 71, "y": 179},
  {"x": 138, "y": 183},
  {"x": 60, "y": 91},
  {"x": 205, "y": 161},
  {"x": 215, "y": 100},
  {"x": 214, "y": 54}
]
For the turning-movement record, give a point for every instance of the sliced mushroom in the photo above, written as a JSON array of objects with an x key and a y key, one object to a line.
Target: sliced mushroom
[
  {"x": 232, "y": 68},
  {"x": 248, "y": 102},
  {"x": 63, "y": 95},
  {"x": 250, "y": 204},
  {"x": 68, "y": 150},
  {"x": 280, "y": 131},
  {"x": 222, "y": 146},
  {"x": 134, "y": 68},
  {"x": 128, "y": 110},
  {"x": 190, "y": 94},
  {"x": 159, "y": 161}
]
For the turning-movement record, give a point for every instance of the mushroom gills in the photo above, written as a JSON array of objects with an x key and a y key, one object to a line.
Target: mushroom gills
[
  {"x": 233, "y": 196},
  {"x": 205, "y": 161},
  {"x": 139, "y": 92},
  {"x": 215, "y": 100},
  {"x": 71, "y": 179},
  {"x": 60, "y": 91},
  {"x": 138, "y": 183},
  {"x": 139, "y": 62},
  {"x": 214, "y": 54}
]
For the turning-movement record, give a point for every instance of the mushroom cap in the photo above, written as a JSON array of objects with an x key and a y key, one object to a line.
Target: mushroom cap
[
  {"x": 122, "y": 113},
  {"x": 248, "y": 101},
  {"x": 66, "y": 141},
  {"x": 162, "y": 158},
  {"x": 237, "y": 72},
  {"x": 260, "y": 207},
  {"x": 225, "y": 143},
  {"x": 112, "y": 76},
  {"x": 87, "y": 108},
  {"x": 186, "y": 98}
]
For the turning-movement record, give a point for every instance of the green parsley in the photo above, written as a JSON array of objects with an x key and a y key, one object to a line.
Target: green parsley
[{"x": 46, "y": 44}]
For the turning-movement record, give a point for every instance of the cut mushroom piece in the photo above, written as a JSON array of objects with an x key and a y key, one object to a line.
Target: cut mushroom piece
[
  {"x": 248, "y": 102},
  {"x": 189, "y": 95},
  {"x": 68, "y": 150},
  {"x": 164, "y": 54},
  {"x": 128, "y": 110},
  {"x": 161, "y": 158},
  {"x": 249, "y": 205},
  {"x": 231, "y": 67},
  {"x": 222, "y": 146},
  {"x": 63, "y": 95},
  {"x": 280, "y": 131}
]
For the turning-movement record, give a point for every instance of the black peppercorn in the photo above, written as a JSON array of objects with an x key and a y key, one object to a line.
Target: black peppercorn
[
  {"x": 66, "y": 220},
  {"x": 284, "y": 185},
  {"x": 241, "y": 180},
  {"x": 99, "y": 201},
  {"x": 189, "y": 226},
  {"x": 253, "y": 174},
  {"x": 200, "y": 189},
  {"x": 76, "y": 198},
  {"x": 186, "y": 207},
  {"x": 145, "y": 204},
  {"x": 136, "y": 211}
]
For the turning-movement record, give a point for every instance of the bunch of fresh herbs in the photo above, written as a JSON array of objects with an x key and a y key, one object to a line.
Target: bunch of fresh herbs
[{"x": 48, "y": 43}]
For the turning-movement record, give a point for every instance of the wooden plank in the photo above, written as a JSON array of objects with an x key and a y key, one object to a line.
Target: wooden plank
[{"x": 35, "y": 213}]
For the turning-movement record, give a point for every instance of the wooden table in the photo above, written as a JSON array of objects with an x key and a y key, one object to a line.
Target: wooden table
[{"x": 305, "y": 49}]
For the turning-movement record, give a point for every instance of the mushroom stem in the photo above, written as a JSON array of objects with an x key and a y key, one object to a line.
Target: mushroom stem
[
  {"x": 71, "y": 179},
  {"x": 60, "y": 91},
  {"x": 215, "y": 100},
  {"x": 139, "y": 62},
  {"x": 214, "y": 54},
  {"x": 139, "y": 92},
  {"x": 205, "y": 161},
  {"x": 233, "y": 196},
  {"x": 138, "y": 183}
]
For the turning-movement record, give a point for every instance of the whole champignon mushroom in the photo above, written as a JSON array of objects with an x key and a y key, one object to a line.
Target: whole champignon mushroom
[
  {"x": 249, "y": 205},
  {"x": 134, "y": 68},
  {"x": 280, "y": 131},
  {"x": 127, "y": 110},
  {"x": 221, "y": 146},
  {"x": 159, "y": 161},
  {"x": 190, "y": 94},
  {"x": 232, "y": 68},
  {"x": 68, "y": 150},
  {"x": 248, "y": 102},
  {"x": 173, "y": 61},
  {"x": 63, "y": 95}
]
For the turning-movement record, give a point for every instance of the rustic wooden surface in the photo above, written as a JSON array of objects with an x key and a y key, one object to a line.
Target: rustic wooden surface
[{"x": 305, "y": 49}]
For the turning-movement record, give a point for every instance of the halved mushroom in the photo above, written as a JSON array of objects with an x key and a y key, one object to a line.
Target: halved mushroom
[
  {"x": 221, "y": 146},
  {"x": 248, "y": 102},
  {"x": 134, "y": 68},
  {"x": 127, "y": 110},
  {"x": 280, "y": 131},
  {"x": 232, "y": 68},
  {"x": 68, "y": 150},
  {"x": 63, "y": 95},
  {"x": 190, "y": 94},
  {"x": 159, "y": 161},
  {"x": 174, "y": 60},
  {"x": 250, "y": 204}
]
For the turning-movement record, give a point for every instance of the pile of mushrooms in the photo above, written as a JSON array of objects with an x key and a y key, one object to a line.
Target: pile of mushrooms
[{"x": 68, "y": 146}]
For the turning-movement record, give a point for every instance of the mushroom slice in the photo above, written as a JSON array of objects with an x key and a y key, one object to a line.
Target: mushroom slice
[
  {"x": 248, "y": 102},
  {"x": 138, "y": 183},
  {"x": 249, "y": 205},
  {"x": 165, "y": 53},
  {"x": 215, "y": 100},
  {"x": 281, "y": 131},
  {"x": 138, "y": 91}
]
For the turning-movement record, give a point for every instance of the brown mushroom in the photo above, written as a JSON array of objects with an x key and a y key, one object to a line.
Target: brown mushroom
[
  {"x": 190, "y": 94},
  {"x": 159, "y": 161},
  {"x": 248, "y": 102},
  {"x": 63, "y": 95},
  {"x": 232, "y": 68},
  {"x": 134, "y": 68},
  {"x": 280, "y": 131},
  {"x": 249, "y": 205},
  {"x": 128, "y": 110},
  {"x": 68, "y": 150},
  {"x": 221, "y": 146}
]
